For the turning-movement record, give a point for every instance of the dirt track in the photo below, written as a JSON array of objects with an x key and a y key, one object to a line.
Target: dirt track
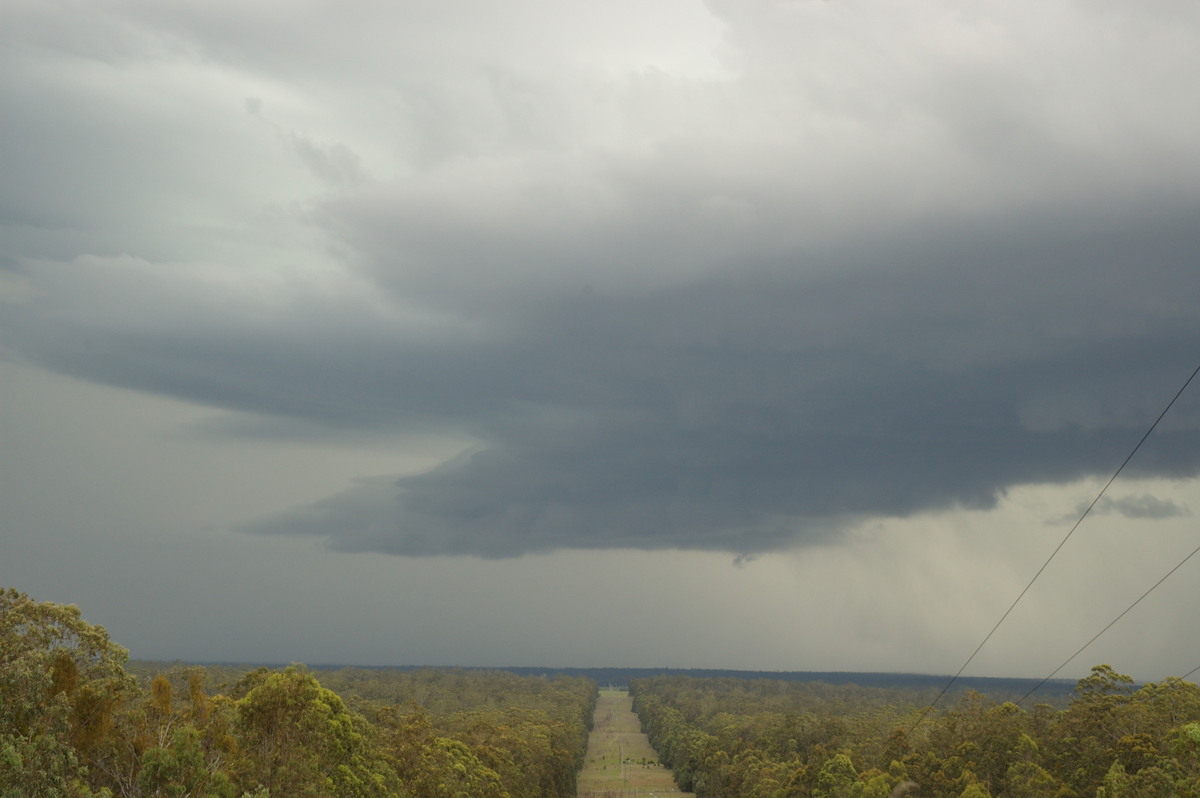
[{"x": 620, "y": 761}]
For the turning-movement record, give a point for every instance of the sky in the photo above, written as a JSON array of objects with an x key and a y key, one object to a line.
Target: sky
[{"x": 766, "y": 335}]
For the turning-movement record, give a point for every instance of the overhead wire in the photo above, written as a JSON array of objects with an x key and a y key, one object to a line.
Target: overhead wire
[
  {"x": 1057, "y": 549},
  {"x": 1111, "y": 623}
]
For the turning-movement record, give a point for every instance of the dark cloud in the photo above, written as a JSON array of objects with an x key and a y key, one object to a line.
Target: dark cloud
[
  {"x": 730, "y": 307},
  {"x": 745, "y": 410}
]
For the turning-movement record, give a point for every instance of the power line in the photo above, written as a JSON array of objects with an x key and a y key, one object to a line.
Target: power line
[
  {"x": 1058, "y": 548},
  {"x": 1189, "y": 673},
  {"x": 1110, "y": 625}
]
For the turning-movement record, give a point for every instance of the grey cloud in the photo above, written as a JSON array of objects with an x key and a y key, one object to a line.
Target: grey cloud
[
  {"x": 729, "y": 312},
  {"x": 742, "y": 413},
  {"x": 1144, "y": 506},
  {"x": 336, "y": 163}
]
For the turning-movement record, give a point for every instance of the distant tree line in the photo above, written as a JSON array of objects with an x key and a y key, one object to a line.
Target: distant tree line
[
  {"x": 75, "y": 723},
  {"x": 734, "y": 738},
  {"x": 1053, "y": 691}
]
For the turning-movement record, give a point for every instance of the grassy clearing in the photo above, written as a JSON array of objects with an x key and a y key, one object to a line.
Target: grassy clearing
[{"x": 620, "y": 760}]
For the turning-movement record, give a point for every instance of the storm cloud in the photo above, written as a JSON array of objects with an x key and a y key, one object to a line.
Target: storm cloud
[{"x": 825, "y": 262}]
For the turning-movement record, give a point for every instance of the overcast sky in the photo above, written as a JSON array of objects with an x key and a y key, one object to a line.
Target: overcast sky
[{"x": 749, "y": 334}]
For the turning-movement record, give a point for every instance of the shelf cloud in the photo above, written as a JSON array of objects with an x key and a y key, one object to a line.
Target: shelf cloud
[{"x": 818, "y": 264}]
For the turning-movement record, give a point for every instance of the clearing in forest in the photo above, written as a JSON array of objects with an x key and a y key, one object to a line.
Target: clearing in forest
[{"x": 620, "y": 761}]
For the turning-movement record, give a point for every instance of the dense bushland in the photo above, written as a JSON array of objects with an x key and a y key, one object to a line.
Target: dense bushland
[
  {"x": 74, "y": 723},
  {"x": 757, "y": 738}
]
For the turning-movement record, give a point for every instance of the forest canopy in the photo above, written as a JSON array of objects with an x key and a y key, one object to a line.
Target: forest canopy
[
  {"x": 729, "y": 738},
  {"x": 77, "y": 720},
  {"x": 76, "y": 723}
]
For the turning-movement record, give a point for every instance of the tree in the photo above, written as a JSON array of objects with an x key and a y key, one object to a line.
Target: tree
[
  {"x": 975, "y": 790},
  {"x": 181, "y": 769},
  {"x": 1104, "y": 684},
  {"x": 1085, "y": 738},
  {"x": 301, "y": 741},
  {"x": 835, "y": 778},
  {"x": 1030, "y": 780},
  {"x": 61, "y": 682},
  {"x": 432, "y": 766}
]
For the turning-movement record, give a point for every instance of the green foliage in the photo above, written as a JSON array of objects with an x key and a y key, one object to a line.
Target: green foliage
[
  {"x": 1114, "y": 739},
  {"x": 431, "y": 766},
  {"x": 75, "y": 724},
  {"x": 301, "y": 741},
  {"x": 835, "y": 778},
  {"x": 61, "y": 682},
  {"x": 182, "y": 769},
  {"x": 529, "y": 732}
]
